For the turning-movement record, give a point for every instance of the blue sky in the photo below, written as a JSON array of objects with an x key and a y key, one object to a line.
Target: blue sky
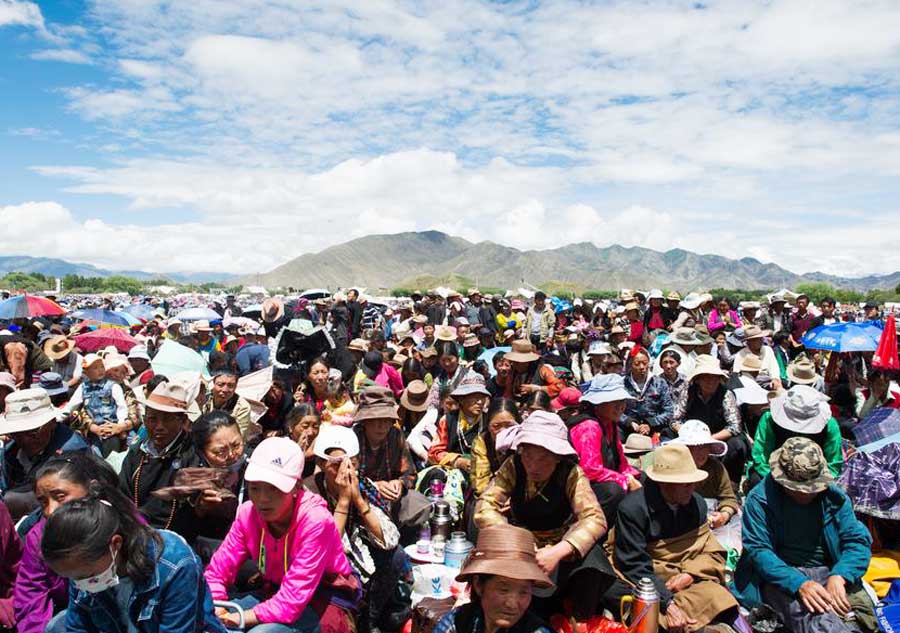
[{"x": 236, "y": 134}]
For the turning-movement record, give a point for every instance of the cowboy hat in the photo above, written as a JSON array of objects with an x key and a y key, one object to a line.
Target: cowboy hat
[
  {"x": 522, "y": 352},
  {"x": 747, "y": 362},
  {"x": 673, "y": 464},
  {"x": 173, "y": 396},
  {"x": 802, "y": 371},
  {"x": 800, "y": 465},
  {"x": 272, "y": 310},
  {"x": 697, "y": 433},
  {"x": 507, "y": 551},
  {"x": 27, "y": 410},
  {"x": 655, "y": 293},
  {"x": 706, "y": 365},
  {"x": 58, "y": 347},
  {"x": 801, "y": 409},
  {"x": 445, "y": 333}
]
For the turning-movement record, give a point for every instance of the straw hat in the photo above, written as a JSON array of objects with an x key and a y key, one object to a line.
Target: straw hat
[
  {"x": 428, "y": 352},
  {"x": 174, "y": 396},
  {"x": 27, "y": 410},
  {"x": 748, "y": 362},
  {"x": 359, "y": 345},
  {"x": 58, "y": 347},
  {"x": 802, "y": 371},
  {"x": 801, "y": 409},
  {"x": 522, "y": 352},
  {"x": 673, "y": 296},
  {"x": 706, "y": 365},
  {"x": 445, "y": 333},
  {"x": 673, "y": 464},
  {"x": 800, "y": 465},
  {"x": 754, "y": 331},
  {"x": 507, "y": 551},
  {"x": 272, "y": 310},
  {"x": 415, "y": 396}
]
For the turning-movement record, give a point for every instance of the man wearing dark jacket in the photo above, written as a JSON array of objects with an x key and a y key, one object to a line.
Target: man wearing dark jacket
[{"x": 356, "y": 313}]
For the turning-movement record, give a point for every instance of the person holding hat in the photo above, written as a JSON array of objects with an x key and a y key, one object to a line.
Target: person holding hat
[
  {"x": 153, "y": 463},
  {"x": 754, "y": 345},
  {"x": 30, "y": 421},
  {"x": 541, "y": 488},
  {"x": 805, "y": 552},
  {"x": 595, "y": 434},
  {"x": 383, "y": 453},
  {"x": 707, "y": 399},
  {"x": 717, "y": 486},
  {"x": 67, "y": 362},
  {"x": 529, "y": 373},
  {"x": 369, "y": 536},
  {"x": 457, "y": 430},
  {"x": 502, "y": 573},
  {"x": 99, "y": 407},
  {"x": 663, "y": 533},
  {"x": 289, "y": 533},
  {"x": 799, "y": 412}
]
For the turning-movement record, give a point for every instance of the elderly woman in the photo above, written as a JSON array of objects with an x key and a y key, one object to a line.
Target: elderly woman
[
  {"x": 542, "y": 488},
  {"x": 369, "y": 536},
  {"x": 707, "y": 399},
  {"x": 502, "y": 571}
]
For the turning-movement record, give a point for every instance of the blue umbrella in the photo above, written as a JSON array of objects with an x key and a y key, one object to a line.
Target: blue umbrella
[
  {"x": 141, "y": 311},
  {"x": 488, "y": 357},
  {"x": 199, "y": 314},
  {"x": 843, "y": 337},
  {"x": 104, "y": 317}
]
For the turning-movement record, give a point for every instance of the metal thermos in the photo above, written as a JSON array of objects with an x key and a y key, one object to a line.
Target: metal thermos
[
  {"x": 457, "y": 550},
  {"x": 644, "y": 608},
  {"x": 440, "y": 521}
]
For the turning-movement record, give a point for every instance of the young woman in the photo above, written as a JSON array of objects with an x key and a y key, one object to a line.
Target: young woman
[
  {"x": 451, "y": 371},
  {"x": 39, "y": 591},
  {"x": 502, "y": 413},
  {"x": 126, "y": 576},
  {"x": 289, "y": 532},
  {"x": 724, "y": 317},
  {"x": 302, "y": 426}
]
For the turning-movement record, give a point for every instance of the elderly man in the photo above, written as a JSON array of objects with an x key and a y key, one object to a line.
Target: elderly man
[
  {"x": 30, "y": 422},
  {"x": 754, "y": 346},
  {"x": 663, "y": 533},
  {"x": 805, "y": 552}
]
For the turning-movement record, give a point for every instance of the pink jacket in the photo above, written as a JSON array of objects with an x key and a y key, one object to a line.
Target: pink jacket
[
  {"x": 390, "y": 378},
  {"x": 586, "y": 436},
  {"x": 314, "y": 552},
  {"x": 715, "y": 322}
]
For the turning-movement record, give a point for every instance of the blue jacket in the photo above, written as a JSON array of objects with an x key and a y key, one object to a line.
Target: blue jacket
[
  {"x": 175, "y": 599},
  {"x": 847, "y": 540}
]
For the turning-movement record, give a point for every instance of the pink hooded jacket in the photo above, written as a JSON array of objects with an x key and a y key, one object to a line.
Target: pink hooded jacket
[
  {"x": 310, "y": 551},
  {"x": 586, "y": 436}
]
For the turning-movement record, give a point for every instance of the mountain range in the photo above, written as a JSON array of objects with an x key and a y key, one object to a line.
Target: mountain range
[
  {"x": 60, "y": 268},
  {"x": 413, "y": 259}
]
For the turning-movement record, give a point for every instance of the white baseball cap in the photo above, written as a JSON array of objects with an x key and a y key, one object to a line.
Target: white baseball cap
[
  {"x": 334, "y": 436},
  {"x": 277, "y": 461}
]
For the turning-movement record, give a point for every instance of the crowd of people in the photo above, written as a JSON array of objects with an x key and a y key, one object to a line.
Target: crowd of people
[{"x": 275, "y": 482}]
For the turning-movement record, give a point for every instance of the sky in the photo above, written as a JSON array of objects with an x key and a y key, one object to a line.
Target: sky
[{"x": 234, "y": 135}]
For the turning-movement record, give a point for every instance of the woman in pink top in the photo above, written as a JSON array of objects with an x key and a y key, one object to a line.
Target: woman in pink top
[
  {"x": 723, "y": 317},
  {"x": 308, "y": 582}
]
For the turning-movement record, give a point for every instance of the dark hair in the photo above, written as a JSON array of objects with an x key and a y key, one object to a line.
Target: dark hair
[
  {"x": 779, "y": 337},
  {"x": 828, "y": 300},
  {"x": 82, "y": 528},
  {"x": 155, "y": 382},
  {"x": 188, "y": 340},
  {"x": 414, "y": 367},
  {"x": 497, "y": 405},
  {"x": 224, "y": 371},
  {"x": 538, "y": 400},
  {"x": 497, "y": 358},
  {"x": 447, "y": 348},
  {"x": 540, "y": 295},
  {"x": 299, "y": 412},
  {"x": 207, "y": 424},
  {"x": 82, "y": 468}
]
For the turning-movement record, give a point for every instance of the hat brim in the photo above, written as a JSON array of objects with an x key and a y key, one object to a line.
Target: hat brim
[
  {"x": 51, "y": 392},
  {"x": 376, "y": 413},
  {"x": 797, "y": 380},
  {"x": 515, "y": 569},
  {"x": 461, "y": 392},
  {"x": 557, "y": 446},
  {"x": 722, "y": 446},
  {"x": 61, "y": 354},
  {"x": 637, "y": 451},
  {"x": 695, "y": 478},
  {"x": 409, "y": 406},
  {"x": 806, "y": 427},
  {"x": 819, "y": 484},
  {"x": 27, "y": 423},
  {"x": 602, "y": 398},
  {"x": 255, "y": 472},
  {"x": 708, "y": 372},
  {"x": 521, "y": 357}
]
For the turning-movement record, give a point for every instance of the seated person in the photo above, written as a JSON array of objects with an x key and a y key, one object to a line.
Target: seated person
[
  {"x": 153, "y": 463},
  {"x": 502, "y": 413},
  {"x": 11, "y": 552},
  {"x": 800, "y": 412},
  {"x": 650, "y": 408},
  {"x": 542, "y": 488},
  {"x": 290, "y": 533},
  {"x": 223, "y": 396},
  {"x": 805, "y": 552},
  {"x": 369, "y": 536},
  {"x": 716, "y": 487},
  {"x": 502, "y": 572},
  {"x": 457, "y": 430},
  {"x": 35, "y": 437},
  {"x": 302, "y": 425},
  {"x": 99, "y": 406},
  {"x": 707, "y": 399},
  {"x": 594, "y": 433},
  {"x": 662, "y": 533}
]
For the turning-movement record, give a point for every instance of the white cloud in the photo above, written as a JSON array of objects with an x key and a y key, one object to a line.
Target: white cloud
[
  {"x": 13, "y": 12},
  {"x": 67, "y": 55}
]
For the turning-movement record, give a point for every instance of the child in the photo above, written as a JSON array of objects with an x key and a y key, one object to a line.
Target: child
[{"x": 102, "y": 412}]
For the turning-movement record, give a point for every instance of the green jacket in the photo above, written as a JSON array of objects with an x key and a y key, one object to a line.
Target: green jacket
[{"x": 766, "y": 441}]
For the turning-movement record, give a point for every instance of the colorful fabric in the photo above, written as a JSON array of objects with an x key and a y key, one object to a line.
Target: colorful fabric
[{"x": 872, "y": 480}]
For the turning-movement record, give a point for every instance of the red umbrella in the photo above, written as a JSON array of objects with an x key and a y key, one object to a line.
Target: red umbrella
[
  {"x": 886, "y": 355},
  {"x": 104, "y": 337}
]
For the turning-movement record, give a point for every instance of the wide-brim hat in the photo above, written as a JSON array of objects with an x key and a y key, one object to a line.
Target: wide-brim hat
[
  {"x": 415, "y": 396},
  {"x": 799, "y": 465},
  {"x": 802, "y": 371},
  {"x": 691, "y": 301},
  {"x": 747, "y": 362},
  {"x": 606, "y": 388},
  {"x": 507, "y": 551},
  {"x": 202, "y": 326},
  {"x": 445, "y": 333},
  {"x": 685, "y": 336},
  {"x": 173, "y": 396},
  {"x": 801, "y": 409},
  {"x": 655, "y": 293},
  {"x": 673, "y": 296},
  {"x": 673, "y": 464},
  {"x": 272, "y": 310},
  {"x": 58, "y": 347},
  {"x": 706, "y": 365},
  {"x": 637, "y": 444},
  {"x": 376, "y": 403},
  {"x": 541, "y": 428},
  {"x": 359, "y": 345},
  {"x": 522, "y": 352},
  {"x": 27, "y": 410},
  {"x": 697, "y": 433},
  {"x": 50, "y": 381},
  {"x": 754, "y": 331}
]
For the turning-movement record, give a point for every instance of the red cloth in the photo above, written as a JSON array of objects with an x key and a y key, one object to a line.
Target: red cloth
[
  {"x": 885, "y": 356},
  {"x": 637, "y": 332}
]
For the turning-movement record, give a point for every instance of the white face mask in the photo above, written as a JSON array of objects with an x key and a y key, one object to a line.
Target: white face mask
[{"x": 106, "y": 579}]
